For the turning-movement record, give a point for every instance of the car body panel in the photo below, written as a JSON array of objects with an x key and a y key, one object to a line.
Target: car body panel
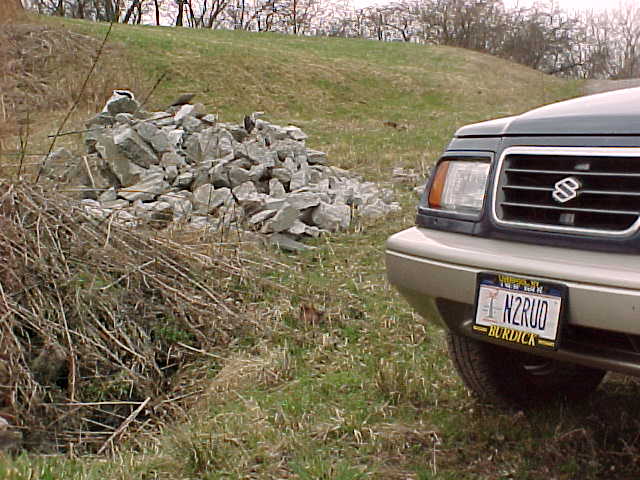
[{"x": 610, "y": 113}]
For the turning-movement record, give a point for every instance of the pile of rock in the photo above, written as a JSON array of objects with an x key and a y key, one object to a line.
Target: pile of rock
[{"x": 183, "y": 165}]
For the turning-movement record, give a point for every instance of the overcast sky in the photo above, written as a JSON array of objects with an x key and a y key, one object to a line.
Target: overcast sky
[{"x": 565, "y": 4}]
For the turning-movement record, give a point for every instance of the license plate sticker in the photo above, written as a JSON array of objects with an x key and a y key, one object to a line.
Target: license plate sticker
[{"x": 519, "y": 310}]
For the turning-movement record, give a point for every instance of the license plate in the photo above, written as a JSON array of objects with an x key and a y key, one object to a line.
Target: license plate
[{"x": 518, "y": 310}]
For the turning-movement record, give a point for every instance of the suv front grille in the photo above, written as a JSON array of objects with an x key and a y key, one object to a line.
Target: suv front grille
[{"x": 579, "y": 190}]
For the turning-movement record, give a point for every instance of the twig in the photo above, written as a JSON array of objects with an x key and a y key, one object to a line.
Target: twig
[
  {"x": 123, "y": 426},
  {"x": 24, "y": 142},
  {"x": 74, "y": 132},
  {"x": 76, "y": 102},
  {"x": 200, "y": 351}
]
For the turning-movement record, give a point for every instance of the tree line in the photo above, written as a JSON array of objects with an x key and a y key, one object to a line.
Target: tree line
[{"x": 583, "y": 44}]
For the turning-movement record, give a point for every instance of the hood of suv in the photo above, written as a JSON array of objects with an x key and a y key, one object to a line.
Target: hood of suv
[{"x": 611, "y": 113}]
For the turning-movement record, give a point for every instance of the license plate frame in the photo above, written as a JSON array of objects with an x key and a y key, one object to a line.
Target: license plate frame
[{"x": 502, "y": 319}]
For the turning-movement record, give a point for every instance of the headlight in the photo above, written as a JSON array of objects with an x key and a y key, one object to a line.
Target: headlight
[{"x": 459, "y": 186}]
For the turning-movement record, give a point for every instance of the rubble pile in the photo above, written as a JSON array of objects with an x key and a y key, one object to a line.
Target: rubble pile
[{"x": 184, "y": 166}]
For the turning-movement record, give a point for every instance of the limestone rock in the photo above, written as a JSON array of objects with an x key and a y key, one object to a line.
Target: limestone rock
[
  {"x": 295, "y": 133},
  {"x": 288, "y": 244},
  {"x": 284, "y": 219},
  {"x": 121, "y": 101},
  {"x": 331, "y": 217},
  {"x": 148, "y": 189},
  {"x": 207, "y": 198},
  {"x": 276, "y": 189},
  {"x": 134, "y": 148}
]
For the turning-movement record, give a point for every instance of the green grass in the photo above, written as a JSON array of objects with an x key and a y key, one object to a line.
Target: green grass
[{"x": 364, "y": 389}]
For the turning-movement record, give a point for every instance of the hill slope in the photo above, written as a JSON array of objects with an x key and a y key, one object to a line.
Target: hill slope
[{"x": 341, "y": 91}]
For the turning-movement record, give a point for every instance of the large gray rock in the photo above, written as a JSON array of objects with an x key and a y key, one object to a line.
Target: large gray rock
[
  {"x": 146, "y": 190},
  {"x": 259, "y": 154},
  {"x": 303, "y": 200},
  {"x": 261, "y": 217},
  {"x": 276, "y": 189},
  {"x": 115, "y": 161},
  {"x": 295, "y": 133},
  {"x": 147, "y": 130},
  {"x": 191, "y": 124},
  {"x": 161, "y": 143},
  {"x": 299, "y": 179},
  {"x": 219, "y": 175},
  {"x": 181, "y": 203},
  {"x": 183, "y": 112},
  {"x": 283, "y": 175},
  {"x": 102, "y": 119},
  {"x": 225, "y": 145},
  {"x": 184, "y": 180},
  {"x": 331, "y": 217},
  {"x": 378, "y": 209},
  {"x": 288, "y": 244},
  {"x": 316, "y": 157},
  {"x": 246, "y": 192},
  {"x": 121, "y": 104},
  {"x": 281, "y": 221},
  {"x": 115, "y": 204},
  {"x": 172, "y": 159},
  {"x": 238, "y": 176},
  {"x": 207, "y": 198},
  {"x": 134, "y": 148}
]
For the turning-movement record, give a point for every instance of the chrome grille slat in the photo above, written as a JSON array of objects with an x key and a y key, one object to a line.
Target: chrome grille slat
[
  {"x": 604, "y": 196},
  {"x": 572, "y": 172},
  {"x": 582, "y": 192},
  {"x": 570, "y": 210}
]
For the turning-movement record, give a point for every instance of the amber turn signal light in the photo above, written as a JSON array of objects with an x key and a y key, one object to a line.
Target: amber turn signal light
[{"x": 435, "y": 194}]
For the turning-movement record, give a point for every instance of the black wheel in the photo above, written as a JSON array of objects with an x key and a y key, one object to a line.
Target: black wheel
[{"x": 501, "y": 375}]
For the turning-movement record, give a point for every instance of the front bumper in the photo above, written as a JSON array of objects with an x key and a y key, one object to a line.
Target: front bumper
[{"x": 604, "y": 288}]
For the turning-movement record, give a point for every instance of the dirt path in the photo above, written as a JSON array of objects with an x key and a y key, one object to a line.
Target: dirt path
[{"x": 599, "y": 86}]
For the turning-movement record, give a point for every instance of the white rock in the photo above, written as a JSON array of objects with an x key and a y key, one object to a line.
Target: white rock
[
  {"x": 206, "y": 198},
  {"x": 295, "y": 133},
  {"x": 298, "y": 228},
  {"x": 245, "y": 191},
  {"x": 302, "y": 200},
  {"x": 183, "y": 180},
  {"x": 299, "y": 179},
  {"x": 116, "y": 204},
  {"x": 184, "y": 111},
  {"x": 170, "y": 173},
  {"x": 316, "y": 157},
  {"x": 331, "y": 217},
  {"x": 276, "y": 189},
  {"x": 282, "y": 220},
  {"x": 149, "y": 188},
  {"x": 261, "y": 216},
  {"x": 108, "y": 195}
]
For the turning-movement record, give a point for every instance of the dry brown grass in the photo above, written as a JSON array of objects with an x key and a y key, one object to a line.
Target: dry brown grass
[
  {"x": 100, "y": 323},
  {"x": 11, "y": 11},
  {"x": 42, "y": 69}
]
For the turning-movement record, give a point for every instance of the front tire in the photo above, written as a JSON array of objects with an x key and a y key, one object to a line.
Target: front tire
[{"x": 504, "y": 376}]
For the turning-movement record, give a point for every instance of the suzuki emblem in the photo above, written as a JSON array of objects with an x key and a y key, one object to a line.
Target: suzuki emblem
[{"x": 566, "y": 189}]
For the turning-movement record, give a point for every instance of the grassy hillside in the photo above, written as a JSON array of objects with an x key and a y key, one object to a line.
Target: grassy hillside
[
  {"x": 342, "y": 380},
  {"x": 340, "y": 91}
]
